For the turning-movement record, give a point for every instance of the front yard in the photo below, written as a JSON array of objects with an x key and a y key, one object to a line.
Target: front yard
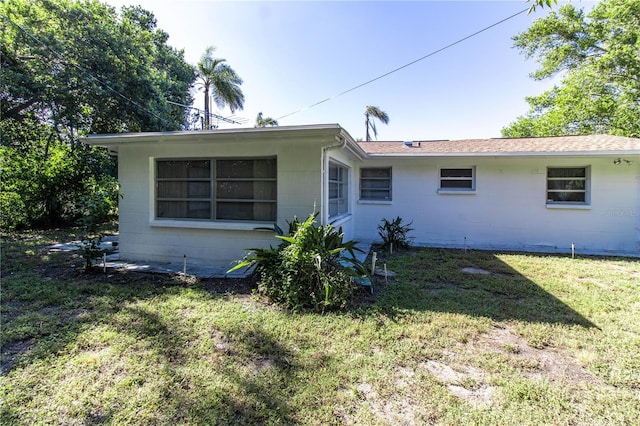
[{"x": 533, "y": 339}]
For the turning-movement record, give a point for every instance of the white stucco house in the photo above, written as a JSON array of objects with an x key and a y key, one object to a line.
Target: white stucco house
[{"x": 210, "y": 195}]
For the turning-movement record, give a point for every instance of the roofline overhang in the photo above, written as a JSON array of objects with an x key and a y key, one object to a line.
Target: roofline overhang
[
  {"x": 246, "y": 133},
  {"x": 505, "y": 154}
]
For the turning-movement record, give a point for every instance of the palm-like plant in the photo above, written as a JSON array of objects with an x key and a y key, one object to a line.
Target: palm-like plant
[
  {"x": 220, "y": 82},
  {"x": 265, "y": 121},
  {"x": 374, "y": 113}
]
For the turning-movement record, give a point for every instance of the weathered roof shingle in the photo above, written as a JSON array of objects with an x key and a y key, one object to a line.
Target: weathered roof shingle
[{"x": 592, "y": 144}]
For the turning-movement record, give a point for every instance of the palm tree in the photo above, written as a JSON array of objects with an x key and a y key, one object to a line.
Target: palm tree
[
  {"x": 219, "y": 81},
  {"x": 374, "y": 112},
  {"x": 265, "y": 121}
]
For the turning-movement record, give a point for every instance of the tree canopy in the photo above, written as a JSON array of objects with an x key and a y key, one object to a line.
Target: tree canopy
[
  {"x": 70, "y": 68},
  {"x": 598, "y": 57},
  {"x": 371, "y": 114},
  {"x": 220, "y": 82}
]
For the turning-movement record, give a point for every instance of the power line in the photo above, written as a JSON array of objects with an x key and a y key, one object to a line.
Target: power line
[
  {"x": 211, "y": 114},
  {"x": 405, "y": 65}
]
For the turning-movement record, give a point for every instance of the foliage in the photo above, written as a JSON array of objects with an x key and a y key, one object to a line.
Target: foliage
[
  {"x": 371, "y": 113},
  {"x": 97, "y": 205},
  {"x": 311, "y": 269},
  {"x": 106, "y": 73},
  {"x": 262, "y": 121},
  {"x": 219, "y": 81},
  {"x": 598, "y": 56},
  {"x": 540, "y": 3},
  {"x": 394, "y": 233}
]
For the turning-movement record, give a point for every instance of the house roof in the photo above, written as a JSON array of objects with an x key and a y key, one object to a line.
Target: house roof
[{"x": 557, "y": 145}]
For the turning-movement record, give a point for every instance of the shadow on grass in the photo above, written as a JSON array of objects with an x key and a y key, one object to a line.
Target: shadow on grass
[
  {"x": 47, "y": 306},
  {"x": 434, "y": 280}
]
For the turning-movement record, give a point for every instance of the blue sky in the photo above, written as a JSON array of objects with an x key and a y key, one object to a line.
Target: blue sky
[{"x": 294, "y": 54}]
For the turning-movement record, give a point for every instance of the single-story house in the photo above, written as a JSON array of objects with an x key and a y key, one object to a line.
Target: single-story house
[{"x": 210, "y": 195}]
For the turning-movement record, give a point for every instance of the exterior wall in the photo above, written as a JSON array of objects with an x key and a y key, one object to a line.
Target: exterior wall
[
  {"x": 347, "y": 221},
  {"x": 143, "y": 238},
  {"x": 508, "y": 209}
]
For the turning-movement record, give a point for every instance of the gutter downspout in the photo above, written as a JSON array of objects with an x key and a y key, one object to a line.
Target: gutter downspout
[{"x": 340, "y": 143}]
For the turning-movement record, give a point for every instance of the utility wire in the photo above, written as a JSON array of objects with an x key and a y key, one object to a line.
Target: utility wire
[
  {"x": 405, "y": 65},
  {"x": 84, "y": 71}
]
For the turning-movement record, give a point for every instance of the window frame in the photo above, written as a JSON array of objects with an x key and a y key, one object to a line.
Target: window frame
[
  {"x": 342, "y": 183},
  {"x": 213, "y": 199},
  {"x": 388, "y": 190},
  {"x": 586, "y": 190},
  {"x": 457, "y": 190}
]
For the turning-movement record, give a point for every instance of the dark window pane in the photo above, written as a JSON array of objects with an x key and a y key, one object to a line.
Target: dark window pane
[
  {"x": 566, "y": 184},
  {"x": 184, "y": 209},
  {"x": 566, "y": 197},
  {"x": 456, "y": 184},
  {"x": 245, "y": 211},
  {"x": 184, "y": 189},
  {"x": 184, "y": 169},
  {"x": 374, "y": 184},
  {"x": 246, "y": 190},
  {"x": 568, "y": 172},
  {"x": 448, "y": 173},
  {"x": 374, "y": 194},
  {"x": 263, "y": 168},
  {"x": 375, "y": 173}
]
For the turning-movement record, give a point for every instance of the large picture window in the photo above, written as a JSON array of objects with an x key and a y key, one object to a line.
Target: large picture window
[
  {"x": 567, "y": 185},
  {"x": 338, "y": 190},
  {"x": 375, "y": 184},
  {"x": 217, "y": 189}
]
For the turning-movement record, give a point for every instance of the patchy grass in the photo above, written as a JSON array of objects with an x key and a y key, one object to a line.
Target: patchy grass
[{"x": 538, "y": 340}]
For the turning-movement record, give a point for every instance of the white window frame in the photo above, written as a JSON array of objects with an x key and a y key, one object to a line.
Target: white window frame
[
  {"x": 338, "y": 183},
  {"x": 381, "y": 179},
  {"x": 213, "y": 199},
  {"x": 586, "y": 190},
  {"x": 457, "y": 190}
]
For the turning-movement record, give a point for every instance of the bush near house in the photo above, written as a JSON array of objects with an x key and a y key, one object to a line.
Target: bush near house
[
  {"x": 394, "y": 233},
  {"x": 309, "y": 270}
]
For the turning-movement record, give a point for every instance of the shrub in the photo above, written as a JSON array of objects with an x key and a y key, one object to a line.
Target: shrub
[
  {"x": 309, "y": 269},
  {"x": 394, "y": 233}
]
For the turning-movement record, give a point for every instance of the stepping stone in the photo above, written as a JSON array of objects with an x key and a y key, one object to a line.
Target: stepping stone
[{"x": 476, "y": 271}]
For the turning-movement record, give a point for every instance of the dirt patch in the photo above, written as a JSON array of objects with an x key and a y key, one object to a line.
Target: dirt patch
[
  {"x": 550, "y": 363},
  {"x": 11, "y": 352}
]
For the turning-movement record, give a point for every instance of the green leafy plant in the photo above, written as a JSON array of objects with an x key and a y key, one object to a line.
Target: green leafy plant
[
  {"x": 313, "y": 268},
  {"x": 394, "y": 233},
  {"x": 96, "y": 207}
]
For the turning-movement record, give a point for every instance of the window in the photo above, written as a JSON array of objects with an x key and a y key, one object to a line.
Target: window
[
  {"x": 462, "y": 179},
  {"x": 375, "y": 184},
  {"x": 567, "y": 185},
  {"x": 224, "y": 189},
  {"x": 338, "y": 190}
]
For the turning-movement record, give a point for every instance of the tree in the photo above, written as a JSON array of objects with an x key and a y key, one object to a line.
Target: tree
[
  {"x": 106, "y": 73},
  {"x": 371, "y": 113},
  {"x": 219, "y": 81},
  {"x": 598, "y": 56},
  {"x": 265, "y": 121}
]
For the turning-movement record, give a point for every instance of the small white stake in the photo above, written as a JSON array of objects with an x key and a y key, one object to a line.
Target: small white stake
[
  {"x": 184, "y": 265},
  {"x": 390, "y": 248},
  {"x": 374, "y": 257},
  {"x": 573, "y": 250},
  {"x": 385, "y": 273}
]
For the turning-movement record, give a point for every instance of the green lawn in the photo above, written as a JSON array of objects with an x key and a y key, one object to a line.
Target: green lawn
[{"x": 541, "y": 340}]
